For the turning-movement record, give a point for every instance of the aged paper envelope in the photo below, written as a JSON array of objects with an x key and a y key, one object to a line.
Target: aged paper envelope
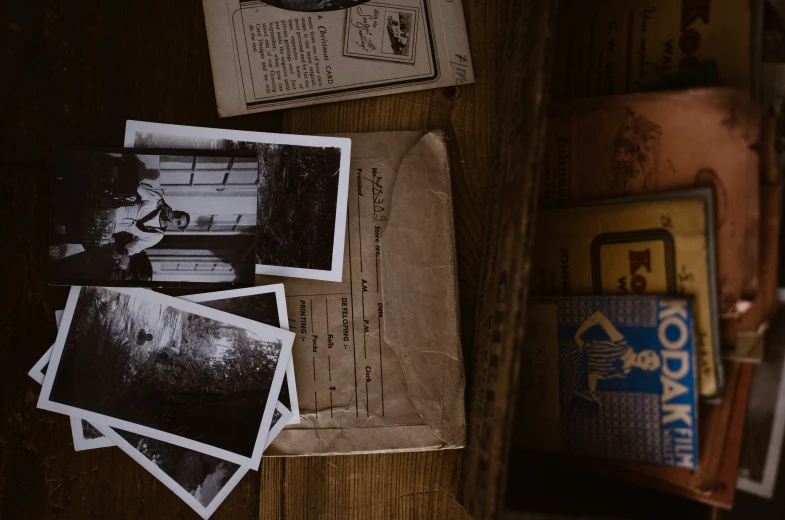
[
  {"x": 378, "y": 357},
  {"x": 656, "y": 244},
  {"x": 644, "y": 143},
  {"x": 267, "y": 58}
]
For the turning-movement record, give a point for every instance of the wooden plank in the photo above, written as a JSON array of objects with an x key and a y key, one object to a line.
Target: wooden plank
[
  {"x": 72, "y": 73},
  {"x": 471, "y": 115},
  {"x": 406, "y": 485},
  {"x": 501, "y": 308}
]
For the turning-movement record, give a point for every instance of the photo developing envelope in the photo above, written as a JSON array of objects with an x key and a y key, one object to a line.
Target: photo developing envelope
[
  {"x": 378, "y": 357},
  {"x": 268, "y": 58}
]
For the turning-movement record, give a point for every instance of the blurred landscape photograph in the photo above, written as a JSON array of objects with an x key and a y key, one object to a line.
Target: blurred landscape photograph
[
  {"x": 147, "y": 363},
  {"x": 201, "y": 476},
  {"x": 257, "y": 307}
]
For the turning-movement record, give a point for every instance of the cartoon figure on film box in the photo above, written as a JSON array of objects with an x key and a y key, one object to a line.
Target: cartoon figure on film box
[{"x": 627, "y": 384}]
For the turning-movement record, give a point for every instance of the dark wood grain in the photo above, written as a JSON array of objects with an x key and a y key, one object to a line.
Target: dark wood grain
[
  {"x": 495, "y": 127},
  {"x": 522, "y": 90},
  {"x": 73, "y": 72}
]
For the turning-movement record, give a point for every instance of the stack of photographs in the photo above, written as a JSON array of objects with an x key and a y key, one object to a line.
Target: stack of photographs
[
  {"x": 156, "y": 375},
  {"x": 193, "y": 388},
  {"x": 195, "y": 218}
]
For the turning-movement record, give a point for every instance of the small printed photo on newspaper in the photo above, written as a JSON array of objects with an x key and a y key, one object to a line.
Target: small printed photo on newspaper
[
  {"x": 168, "y": 369},
  {"x": 764, "y": 429}
]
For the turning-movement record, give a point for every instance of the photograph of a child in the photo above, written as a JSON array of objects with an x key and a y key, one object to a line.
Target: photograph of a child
[{"x": 121, "y": 218}]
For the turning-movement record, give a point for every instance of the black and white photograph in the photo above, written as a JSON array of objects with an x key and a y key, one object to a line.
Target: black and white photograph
[
  {"x": 399, "y": 32},
  {"x": 38, "y": 372},
  {"x": 265, "y": 304},
  {"x": 201, "y": 481},
  {"x": 764, "y": 428},
  {"x": 302, "y": 192},
  {"x": 86, "y": 436},
  {"x": 168, "y": 369},
  {"x": 152, "y": 219},
  {"x": 310, "y": 5}
]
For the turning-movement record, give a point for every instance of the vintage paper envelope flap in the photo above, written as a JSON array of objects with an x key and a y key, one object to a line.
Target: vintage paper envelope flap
[
  {"x": 419, "y": 288},
  {"x": 394, "y": 369}
]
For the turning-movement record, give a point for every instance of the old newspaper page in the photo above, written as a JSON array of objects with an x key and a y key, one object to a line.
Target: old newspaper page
[{"x": 267, "y": 58}]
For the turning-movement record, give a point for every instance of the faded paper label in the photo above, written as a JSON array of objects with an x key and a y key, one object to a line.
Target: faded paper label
[
  {"x": 623, "y": 46},
  {"x": 264, "y": 57},
  {"x": 654, "y": 246},
  {"x": 377, "y": 357},
  {"x": 644, "y": 143}
]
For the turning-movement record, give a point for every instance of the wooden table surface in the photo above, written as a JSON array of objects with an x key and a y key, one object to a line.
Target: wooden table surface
[{"x": 72, "y": 74}]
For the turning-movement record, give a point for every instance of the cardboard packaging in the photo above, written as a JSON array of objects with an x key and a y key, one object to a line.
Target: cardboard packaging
[
  {"x": 378, "y": 357},
  {"x": 642, "y": 143},
  {"x": 660, "y": 243},
  {"x": 625, "y": 46},
  {"x": 599, "y": 373},
  {"x": 721, "y": 430},
  {"x": 267, "y": 58}
]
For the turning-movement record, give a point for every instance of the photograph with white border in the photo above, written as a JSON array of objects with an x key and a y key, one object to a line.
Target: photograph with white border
[
  {"x": 303, "y": 191},
  {"x": 38, "y": 372},
  {"x": 201, "y": 481},
  {"x": 764, "y": 428},
  {"x": 168, "y": 369},
  {"x": 87, "y": 437},
  {"x": 153, "y": 218},
  {"x": 265, "y": 304}
]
